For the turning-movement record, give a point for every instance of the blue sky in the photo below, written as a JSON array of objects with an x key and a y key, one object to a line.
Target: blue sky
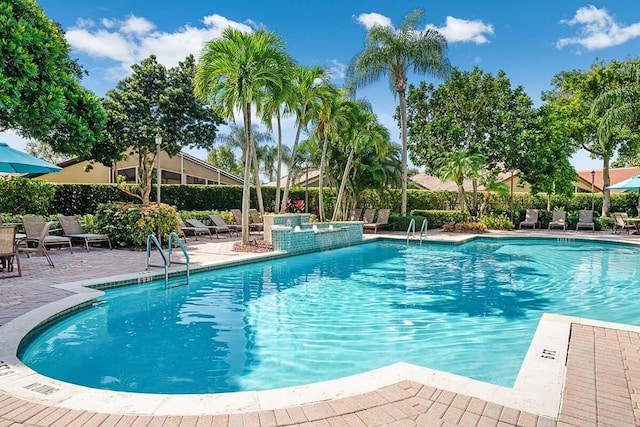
[{"x": 530, "y": 40}]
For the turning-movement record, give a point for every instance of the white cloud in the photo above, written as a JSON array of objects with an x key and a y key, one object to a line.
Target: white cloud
[
  {"x": 371, "y": 19},
  {"x": 137, "y": 25},
  {"x": 458, "y": 30},
  {"x": 337, "y": 70},
  {"x": 130, "y": 40},
  {"x": 597, "y": 29}
]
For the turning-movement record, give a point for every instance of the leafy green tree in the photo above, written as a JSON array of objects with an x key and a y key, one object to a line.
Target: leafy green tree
[
  {"x": 471, "y": 112},
  {"x": 45, "y": 152},
  {"x": 224, "y": 158},
  {"x": 571, "y": 100},
  {"x": 308, "y": 87},
  {"x": 459, "y": 166},
  {"x": 40, "y": 92},
  {"x": 154, "y": 101},
  {"x": 235, "y": 71},
  {"x": 394, "y": 54}
]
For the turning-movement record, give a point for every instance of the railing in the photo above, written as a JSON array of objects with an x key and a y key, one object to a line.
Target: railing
[
  {"x": 423, "y": 229},
  {"x": 412, "y": 228},
  {"x": 173, "y": 236},
  {"x": 152, "y": 239},
  {"x": 167, "y": 258}
]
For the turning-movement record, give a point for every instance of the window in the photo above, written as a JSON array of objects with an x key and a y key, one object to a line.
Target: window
[
  {"x": 130, "y": 175},
  {"x": 195, "y": 180},
  {"x": 169, "y": 177}
]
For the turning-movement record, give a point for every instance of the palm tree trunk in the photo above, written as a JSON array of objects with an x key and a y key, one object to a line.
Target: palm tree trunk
[
  {"x": 321, "y": 179},
  {"x": 606, "y": 199},
  {"x": 343, "y": 185},
  {"x": 279, "y": 167},
  {"x": 463, "y": 200},
  {"x": 285, "y": 197},
  {"x": 246, "y": 190},
  {"x": 256, "y": 176},
  {"x": 403, "y": 136}
]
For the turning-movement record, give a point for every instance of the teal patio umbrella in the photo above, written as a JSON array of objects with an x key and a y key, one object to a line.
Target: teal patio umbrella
[
  {"x": 15, "y": 161},
  {"x": 632, "y": 183}
]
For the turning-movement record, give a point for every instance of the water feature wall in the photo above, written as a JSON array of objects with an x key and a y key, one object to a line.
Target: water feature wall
[{"x": 293, "y": 233}]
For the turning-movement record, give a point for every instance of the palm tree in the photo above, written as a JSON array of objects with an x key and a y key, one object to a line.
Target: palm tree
[
  {"x": 279, "y": 104},
  {"x": 459, "y": 166},
  {"x": 308, "y": 85},
  {"x": 395, "y": 53},
  {"x": 233, "y": 73},
  {"x": 362, "y": 132},
  {"x": 330, "y": 103}
]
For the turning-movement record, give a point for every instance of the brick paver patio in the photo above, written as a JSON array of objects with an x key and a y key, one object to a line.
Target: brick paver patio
[{"x": 602, "y": 384}]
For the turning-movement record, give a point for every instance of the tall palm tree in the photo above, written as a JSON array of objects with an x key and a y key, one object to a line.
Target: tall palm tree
[
  {"x": 362, "y": 132},
  {"x": 330, "y": 102},
  {"x": 233, "y": 73},
  {"x": 279, "y": 104},
  {"x": 618, "y": 107},
  {"x": 394, "y": 54},
  {"x": 459, "y": 166},
  {"x": 308, "y": 85}
]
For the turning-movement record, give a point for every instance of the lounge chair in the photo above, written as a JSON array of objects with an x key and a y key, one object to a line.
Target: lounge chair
[
  {"x": 355, "y": 214},
  {"x": 368, "y": 215},
  {"x": 193, "y": 231},
  {"x": 253, "y": 226},
  {"x": 33, "y": 226},
  {"x": 73, "y": 230},
  {"x": 34, "y": 245},
  {"x": 585, "y": 220},
  {"x": 8, "y": 251},
  {"x": 621, "y": 223},
  {"x": 381, "y": 222},
  {"x": 212, "y": 228},
  {"x": 219, "y": 222},
  {"x": 530, "y": 219},
  {"x": 256, "y": 220},
  {"x": 559, "y": 220}
]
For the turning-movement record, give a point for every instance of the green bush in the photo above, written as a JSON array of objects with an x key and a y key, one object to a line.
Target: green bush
[
  {"x": 24, "y": 196},
  {"x": 496, "y": 221},
  {"x": 437, "y": 218},
  {"x": 129, "y": 225},
  {"x": 401, "y": 223},
  {"x": 204, "y": 215}
]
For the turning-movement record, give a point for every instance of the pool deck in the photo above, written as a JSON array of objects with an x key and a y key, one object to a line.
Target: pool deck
[{"x": 601, "y": 384}]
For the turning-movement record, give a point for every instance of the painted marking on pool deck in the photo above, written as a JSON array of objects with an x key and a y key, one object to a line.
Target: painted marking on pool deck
[
  {"x": 549, "y": 354},
  {"x": 40, "y": 388},
  {"x": 5, "y": 369}
]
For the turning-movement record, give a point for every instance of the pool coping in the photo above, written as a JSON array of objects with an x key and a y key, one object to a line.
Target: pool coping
[{"x": 538, "y": 387}]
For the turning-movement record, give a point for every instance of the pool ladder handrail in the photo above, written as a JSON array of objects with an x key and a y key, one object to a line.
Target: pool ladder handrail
[
  {"x": 167, "y": 258},
  {"x": 412, "y": 229}
]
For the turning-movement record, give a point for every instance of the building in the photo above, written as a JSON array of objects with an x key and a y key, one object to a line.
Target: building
[{"x": 182, "y": 168}]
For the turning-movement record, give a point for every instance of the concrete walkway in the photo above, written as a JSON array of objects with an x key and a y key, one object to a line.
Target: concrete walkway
[{"x": 602, "y": 385}]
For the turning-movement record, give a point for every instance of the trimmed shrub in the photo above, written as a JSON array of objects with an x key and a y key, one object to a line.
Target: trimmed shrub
[
  {"x": 129, "y": 225},
  {"x": 401, "y": 223},
  {"x": 438, "y": 218},
  {"x": 24, "y": 196},
  {"x": 496, "y": 221}
]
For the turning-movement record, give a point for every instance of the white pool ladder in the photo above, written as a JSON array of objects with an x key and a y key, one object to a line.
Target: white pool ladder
[
  {"x": 167, "y": 258},
  {"x": 411, "y": 231}
]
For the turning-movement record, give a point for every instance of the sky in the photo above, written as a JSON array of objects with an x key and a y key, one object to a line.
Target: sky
[{"x": 530, "y": 40}]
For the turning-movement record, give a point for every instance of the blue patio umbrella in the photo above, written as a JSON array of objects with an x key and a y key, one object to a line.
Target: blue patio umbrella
[
  {"x": 632, "y": 183},
  {"x": 15, "y": 161}
]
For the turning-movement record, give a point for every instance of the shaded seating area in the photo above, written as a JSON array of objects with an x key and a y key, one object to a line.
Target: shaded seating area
[
  {"x": 382, "y": 222},
  {"x": 559, "y": 220},
  {"x": 530, "y": 219},
  {"x": 621, "y": 223},
  {"x": 73, "y": 230},
  {"x": 8, "y": 252},
  {"x": 585, "y": 220}
]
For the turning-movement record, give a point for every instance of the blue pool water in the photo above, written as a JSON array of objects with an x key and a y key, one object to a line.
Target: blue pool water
[{"x": 470, "y": 309}]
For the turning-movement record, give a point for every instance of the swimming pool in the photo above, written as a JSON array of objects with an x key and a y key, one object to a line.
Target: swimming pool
[{"x": 468, "y": 309}]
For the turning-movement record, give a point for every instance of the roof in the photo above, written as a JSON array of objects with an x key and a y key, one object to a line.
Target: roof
[
  {"x": 616, "y": 175},
  {"x": 433, "y": 183},
  {"x": 300, "y": 178}
]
